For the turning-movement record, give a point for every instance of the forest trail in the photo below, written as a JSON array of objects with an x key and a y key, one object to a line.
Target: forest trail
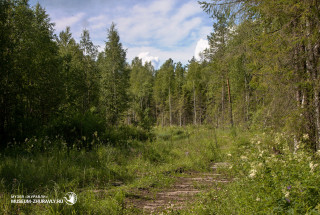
[{"x": 180, "y": 194}]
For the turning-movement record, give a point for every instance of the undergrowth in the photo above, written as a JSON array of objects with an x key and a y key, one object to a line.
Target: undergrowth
[
  {"x": 268, "y": 178},
  {"x": 103, "y": 174}
]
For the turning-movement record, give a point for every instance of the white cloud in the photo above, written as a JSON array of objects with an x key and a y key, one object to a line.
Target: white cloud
[
  {"x": 162, "y": 28},
  {"x": 62, "y": 23},
  {"x": 99, "y": 25},
  {"x": 182, "y": 54},
  {"x": 200, "y": 47},
  {"x": 146, "y": 57},
  {"x": 154, "y": 23},
  {"x": 97, "y": 18},
  {"x": 187, "y": 10}
]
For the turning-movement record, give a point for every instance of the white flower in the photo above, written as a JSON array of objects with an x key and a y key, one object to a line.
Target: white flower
[
  {"x": 258, "y": 199},
  {"x": 229, "y": 155},
  {"x": 312, "y": 166},
  {"x": 243, "y": 158},
  {"x": 253, "y": 173},
  {"x": 287, "y": 194},
  {"x": 305, "y": 136}
]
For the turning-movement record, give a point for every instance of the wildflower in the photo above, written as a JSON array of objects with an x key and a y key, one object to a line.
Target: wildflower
[
  {"x": 287, "y": 194},
  {"x": 229, "y": 155},
  {"x": 95, "y": 133},
  {"x": 288, "y": 200},
  {"x": 243, "y": 158},
  {"x": 258, "y": 142},
  {"x": 289, "y": 187},
  {"x": 253, "y": 173},
  {"x": 312, "y": 166},
  {"x": 305, "y": 136},
  {"x": 258, "y": 199}
]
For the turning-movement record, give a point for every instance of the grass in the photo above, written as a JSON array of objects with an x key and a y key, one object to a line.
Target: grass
[
  {"x": 103, "y": 176},
  {"x": 267, "y": 177}
]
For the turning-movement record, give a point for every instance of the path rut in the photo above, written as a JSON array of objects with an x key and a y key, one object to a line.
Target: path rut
[{"x": 180, "y": 194}]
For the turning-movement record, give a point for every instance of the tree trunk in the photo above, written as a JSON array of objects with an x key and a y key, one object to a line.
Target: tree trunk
[
  {"x": 194, "y": 105},
  {"x": 246, "y": 95},
  {"x": 230, "y": 103},
  {"x": 317, "y": 115},
  {"x": 170, "y": 112},
  {"x": 311, "y": 53},
  {"x": 222, "y": 104},
  {"x": 162, "y": 119}
]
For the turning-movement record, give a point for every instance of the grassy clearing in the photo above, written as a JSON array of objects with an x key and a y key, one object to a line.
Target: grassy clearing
[{"x": 103, "y": 176}]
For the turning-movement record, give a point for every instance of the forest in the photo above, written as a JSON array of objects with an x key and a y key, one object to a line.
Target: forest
[{"x": 76, "y": 119}]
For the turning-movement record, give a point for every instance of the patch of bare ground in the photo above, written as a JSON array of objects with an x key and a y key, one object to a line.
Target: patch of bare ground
[{"x": 180, "y": 194}]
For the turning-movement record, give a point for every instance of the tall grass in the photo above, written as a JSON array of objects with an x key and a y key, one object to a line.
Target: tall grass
[
  {"x": 268, "y": 178},
  {"x": 102, "y": 176}
]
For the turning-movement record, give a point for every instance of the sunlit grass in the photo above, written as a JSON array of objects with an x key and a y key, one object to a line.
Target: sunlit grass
[{"x": 102, "y": 177}]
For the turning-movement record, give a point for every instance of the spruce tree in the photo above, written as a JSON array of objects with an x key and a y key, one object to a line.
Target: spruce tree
[{"x": 114, "y": 78}]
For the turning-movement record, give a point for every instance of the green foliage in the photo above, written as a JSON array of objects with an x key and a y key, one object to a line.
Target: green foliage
[
  {"x": 30, "y": 70},
  {"x": 73, "y": 118},
  {"x": 124, "y": 135},
  {"x": 114, "y": 78},
  {"x": 141, "y": 90},
  {"x": 103, "y": 176},
  {"x": 78, "y": 130},
  {"x": 163, "y": 90},
  {"x": 268, "y": 178}
]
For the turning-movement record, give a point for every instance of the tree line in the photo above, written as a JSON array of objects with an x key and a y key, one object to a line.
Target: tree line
[{"x": 261, "y": 71}]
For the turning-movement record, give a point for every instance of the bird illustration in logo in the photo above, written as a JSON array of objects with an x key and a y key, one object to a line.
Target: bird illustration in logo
[{"x": 70, "y": 198}]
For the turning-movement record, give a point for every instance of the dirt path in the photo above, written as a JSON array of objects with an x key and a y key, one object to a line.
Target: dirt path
[{"x": 180, "y": 194}]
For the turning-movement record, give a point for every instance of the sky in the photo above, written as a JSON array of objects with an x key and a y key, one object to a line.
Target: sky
[{"x": 153, "y": 30}]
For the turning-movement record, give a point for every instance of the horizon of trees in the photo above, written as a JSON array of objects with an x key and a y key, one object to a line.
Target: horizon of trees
[{"x": 260, "y": 72}]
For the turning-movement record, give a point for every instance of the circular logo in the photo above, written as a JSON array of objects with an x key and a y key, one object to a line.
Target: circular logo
[{"x": 70, "y": 198}]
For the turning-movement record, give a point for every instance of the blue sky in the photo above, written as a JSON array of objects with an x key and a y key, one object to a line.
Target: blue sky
[{"x": 154, "y": 30}]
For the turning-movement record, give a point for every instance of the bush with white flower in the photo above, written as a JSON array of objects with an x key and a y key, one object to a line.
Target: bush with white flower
[{"x": 271, "y": 177}]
